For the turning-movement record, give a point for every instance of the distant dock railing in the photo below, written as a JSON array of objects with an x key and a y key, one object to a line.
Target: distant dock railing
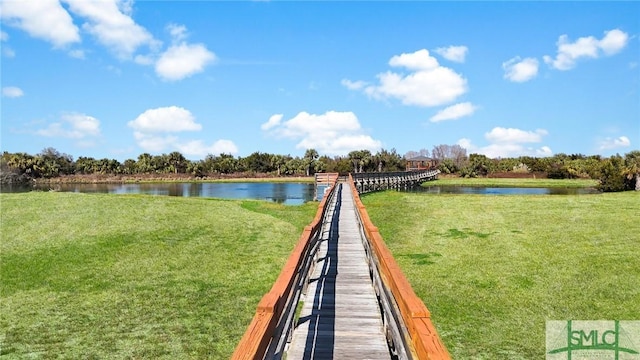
[{"x": 377, "y": 181}]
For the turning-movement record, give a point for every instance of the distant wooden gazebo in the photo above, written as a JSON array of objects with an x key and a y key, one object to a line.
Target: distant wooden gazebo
[{"x": 421, "y": 163}]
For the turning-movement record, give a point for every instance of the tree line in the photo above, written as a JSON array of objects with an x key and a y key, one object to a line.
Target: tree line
[
  {"x": 615, "y": 173},
  {"x": 50, "y": 163}
]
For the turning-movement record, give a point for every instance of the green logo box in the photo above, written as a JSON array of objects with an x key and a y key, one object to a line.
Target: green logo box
[{"x": 592, "y": 339}]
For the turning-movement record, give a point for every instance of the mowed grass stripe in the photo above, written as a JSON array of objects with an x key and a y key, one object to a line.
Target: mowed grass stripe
[
  {"x": 122, "y": 276},
  {"x": 493, "y": 269}
]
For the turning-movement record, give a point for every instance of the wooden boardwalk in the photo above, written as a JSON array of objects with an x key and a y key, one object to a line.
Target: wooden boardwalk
[{"x": 341, "y": 317}]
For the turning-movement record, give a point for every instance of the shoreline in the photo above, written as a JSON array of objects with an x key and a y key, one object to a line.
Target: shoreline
[
  {"x": 443, "y": 180},
  {"x": 169, "y": 178},
  {"x": 514, "y": 182}
]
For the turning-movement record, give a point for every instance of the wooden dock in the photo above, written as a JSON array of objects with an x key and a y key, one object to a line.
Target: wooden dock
[{"x": 341, "y": 317}]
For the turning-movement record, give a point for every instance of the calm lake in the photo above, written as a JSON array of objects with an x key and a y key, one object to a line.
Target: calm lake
[
  {"x": 503, "y": 190},
  {"x": 283, "y": 193}
]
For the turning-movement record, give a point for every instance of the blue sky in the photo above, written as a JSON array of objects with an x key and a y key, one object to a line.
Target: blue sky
[{"x": 116, "y": 78}]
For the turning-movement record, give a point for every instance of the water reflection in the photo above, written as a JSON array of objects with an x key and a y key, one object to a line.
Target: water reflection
[{"x": 282, "y": 193}]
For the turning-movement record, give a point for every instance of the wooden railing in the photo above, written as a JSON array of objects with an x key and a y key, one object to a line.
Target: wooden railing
[
  {"x": 423, "y": 341},
  {"x": 368, "y": 182},
  {"x": 273, "y": 321},
  {"x": 323, "y": 181},
  {"x": 326, "y": 178}
]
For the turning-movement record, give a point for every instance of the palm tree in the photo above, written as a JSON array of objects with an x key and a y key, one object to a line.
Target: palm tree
[
  {"x": 310, "y": 157},
  {"x": 144, "y": 163},
  {"x": 365, "y": 160},
  {"x": 177, "y": 161},
  {"x": 129, "y": 166},
  {"x": 278, "y": 161},
  {"x": 632, "y": 167}
]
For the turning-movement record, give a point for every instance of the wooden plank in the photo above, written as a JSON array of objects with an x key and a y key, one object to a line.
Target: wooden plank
[{"x": 340, "y": 318}]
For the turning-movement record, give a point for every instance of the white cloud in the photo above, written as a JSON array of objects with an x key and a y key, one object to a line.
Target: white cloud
[
  {"x": 586, "y": 47},
  {"x": 428, "y": 85},
  {"x": 12, "y": 92},
  {"x": 353, "y": 85},
  {"x": 613, "y": 42},
  {"x": 178, "y": 32},
  {"x": 544, "y": 151},
  {"x": 112, "y": 26},
  {"x": 200, "y": 149},
  {"x": 3, "y": 36},
  {"x": 466, "y": 143},
  {"x": 73, "y": 126},
  {"x": 85, "y": 125},
  {"x": 341, "y": 145},
  {"x": 453, "y": 53},
  {"x": 43, "y": 19},
  {"x": 331, "y": 133},
  {"x": 419, "y": 60},
  {"x": 509, "y": 142},
  {"x": 331, "y": 122},
  {"x": 110, "y": 22},
  {"x": 154, "y": 132},
  {"x": 520, "y": 70},
  {"x": 184, "y": 60},
  {"x": 165, "y": 119},
  {"x": 274, "y": 121},
  {"x": 511, "y": 135},
  {"x": 154, "y": 143},
  {"x": 609, "y": 143},
  {"x": 454, "y": 112},
  {"x": 181, "y": 59}
]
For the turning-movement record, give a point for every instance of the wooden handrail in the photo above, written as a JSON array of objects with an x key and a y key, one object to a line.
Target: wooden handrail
[
  {"x": 417, "y": 319},
  {"x": 326, "y": 178},
  {"x": 260, "y": 332}
]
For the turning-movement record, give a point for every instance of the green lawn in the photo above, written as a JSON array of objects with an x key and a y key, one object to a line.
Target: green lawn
[
  {"x": 492, "y": 269},
  {"x": 133, "y": 276}
]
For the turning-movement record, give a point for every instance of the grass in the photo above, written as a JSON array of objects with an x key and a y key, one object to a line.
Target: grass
[
  {"x": 493, "y": 269},
  {"x": 499, "y": 182},
  {"x": 134, "y": 276}
]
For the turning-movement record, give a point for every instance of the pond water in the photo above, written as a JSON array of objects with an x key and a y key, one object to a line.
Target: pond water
[
  {"x": 482, "y": 190},
  {"x": 283, "y": 193}
]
